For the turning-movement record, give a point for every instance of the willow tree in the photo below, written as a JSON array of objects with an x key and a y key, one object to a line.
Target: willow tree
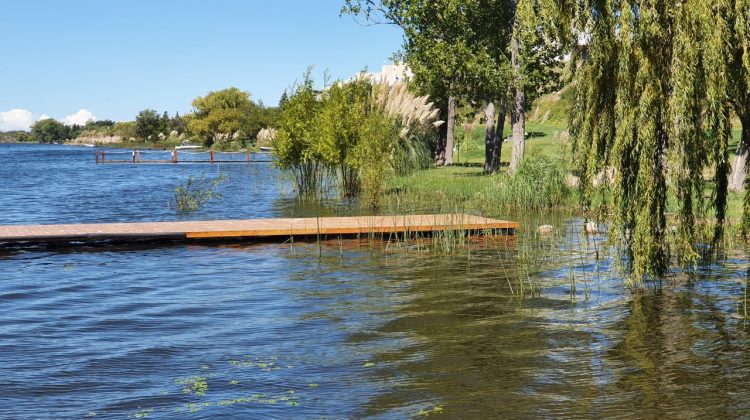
[
  {"x": 654, "y": 95},
  {"x": 741, "y": 87}
]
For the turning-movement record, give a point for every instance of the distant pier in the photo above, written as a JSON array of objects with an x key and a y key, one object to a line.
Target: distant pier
[{"x": 176, "y": 156}]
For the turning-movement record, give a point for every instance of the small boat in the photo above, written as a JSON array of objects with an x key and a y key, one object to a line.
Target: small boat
[
  {"x": 266, "y": 149},
  {"x": 88, "y": 145},
  {"x": 187, "y": 146}
]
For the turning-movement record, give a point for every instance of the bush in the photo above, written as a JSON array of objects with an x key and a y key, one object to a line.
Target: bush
[{"x": 194, "y": 193}]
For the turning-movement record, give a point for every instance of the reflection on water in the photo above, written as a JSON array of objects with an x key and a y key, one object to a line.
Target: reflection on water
[{"x": 347, "y": 328}]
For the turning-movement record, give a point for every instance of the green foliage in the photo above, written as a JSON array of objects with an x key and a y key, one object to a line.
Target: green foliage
[
  {"x": 373, "y": 156},
  {"x": 359, "y": 132},
  {"x": 538, "y": 184},
  {"x": 194, "y": 385},
  {"x": 194, "y": 193},
  {"x": 126, "y": 130},
  {"x": 337, "y": 128},
  {"x": 149, "y": 124},
  {"x": 14, "y": 136},
  {"x": 294, "y": 145},
  {"x": 49, "y": 130},
  {"x": 653, "y": 92},
  {"x": 224, "y": 116}
]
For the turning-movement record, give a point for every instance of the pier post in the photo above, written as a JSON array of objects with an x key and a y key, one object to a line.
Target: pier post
[
  {"x": 247, "y": 154},
  {"x": 174, "y": 155},
  {"x": 97, "y": 156},
  {"x": 212, "y": 155},
  {"x": 137, "y": 155}
]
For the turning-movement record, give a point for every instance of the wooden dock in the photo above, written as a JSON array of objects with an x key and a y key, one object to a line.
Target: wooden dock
[
  {"x": 263, "y": 229},
  {"x": 174, "y": 156}
]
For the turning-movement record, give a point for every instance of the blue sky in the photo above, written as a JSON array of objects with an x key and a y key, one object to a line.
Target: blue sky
[{"x": 76, "y": 58}]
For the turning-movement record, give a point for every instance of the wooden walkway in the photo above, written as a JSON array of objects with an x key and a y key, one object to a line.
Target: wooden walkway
[
  {"x": 175, "y": 157},
  {"x": 268, "y": 229}
]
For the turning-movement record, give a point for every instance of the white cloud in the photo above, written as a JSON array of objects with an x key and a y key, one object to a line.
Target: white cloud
[
  {"x": 15, "y": 119},
  {"x": 81, "y": 117},
  {"x": 43, "y": 117}
]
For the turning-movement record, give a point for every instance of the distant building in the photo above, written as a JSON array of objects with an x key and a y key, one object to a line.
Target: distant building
[{"x": 390, "y": 74}]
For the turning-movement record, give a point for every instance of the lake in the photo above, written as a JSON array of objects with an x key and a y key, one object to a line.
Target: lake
[{"x": 513, "y": 327}]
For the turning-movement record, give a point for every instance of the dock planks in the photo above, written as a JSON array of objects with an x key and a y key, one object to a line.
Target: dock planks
[{"x": 267, "y": 229}]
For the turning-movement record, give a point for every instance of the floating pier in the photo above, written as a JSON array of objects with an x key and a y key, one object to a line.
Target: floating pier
[{"x": 262, "y": 229}]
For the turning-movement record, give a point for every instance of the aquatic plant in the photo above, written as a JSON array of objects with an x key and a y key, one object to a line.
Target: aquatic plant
[
  {"x": 192, "y": 194},
  {"x": 194, "y": 385}
]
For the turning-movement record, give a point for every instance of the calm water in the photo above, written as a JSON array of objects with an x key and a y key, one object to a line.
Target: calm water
[{"x": 346, "y": 329}]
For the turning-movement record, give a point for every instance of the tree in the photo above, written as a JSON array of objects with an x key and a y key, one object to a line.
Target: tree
[
  {"x": 49, "y": 130},
  {"x": 357, "y": 132},
  {"x": 224, "y": 115},
  {"x": 148, "y": 125},
  {"x": 438, "y": 49},
  {"x": 337, "y": 129},
  {"x": 293, "y": 145},
  {"x": 740, "y": 86},
  {"x": 655, "y": 88},
  {"x": 126, "y": 130},
  {"x": 480, "y": 51},
  {"x": 177, "y": 123}
]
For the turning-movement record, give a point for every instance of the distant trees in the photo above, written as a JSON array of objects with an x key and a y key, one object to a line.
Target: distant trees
[
  {"x": 227, "y": 117},
  {"x": 224, "y": 115},
  {"x": 149, "y": 124},
  {"x": 125, "y": 129},
  {"x": 14, "y": 136},
  {"x": 49, "y": 130}
]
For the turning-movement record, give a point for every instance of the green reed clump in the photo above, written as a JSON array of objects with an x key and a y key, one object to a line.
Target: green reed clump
[
  {"x": 540, "y": 183},
  {"x": 192, "y": 194}
]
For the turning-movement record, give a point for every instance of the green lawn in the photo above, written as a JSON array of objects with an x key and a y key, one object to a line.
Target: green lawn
[{"x": 466, "y": 184}]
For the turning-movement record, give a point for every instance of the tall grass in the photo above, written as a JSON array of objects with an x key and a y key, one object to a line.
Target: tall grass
[{"x": 539, "y": 184}]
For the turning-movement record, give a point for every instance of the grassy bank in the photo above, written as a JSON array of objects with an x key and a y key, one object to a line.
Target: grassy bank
[{"x": 465, "y": 186}]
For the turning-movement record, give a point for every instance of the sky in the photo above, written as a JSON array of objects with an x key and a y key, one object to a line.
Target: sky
[{"x": 77, "y": 60}]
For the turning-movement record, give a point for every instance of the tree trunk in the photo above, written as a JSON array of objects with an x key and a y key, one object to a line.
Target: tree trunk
[
  {"x": 739, "y": 168},
  {"x": 451, "y": 123},
  {"x": 489, "y": 138},
  {"x": 499, "y": 128},
  {"x": 518, "y": 107},
  {"x": 440, "y": 150}
]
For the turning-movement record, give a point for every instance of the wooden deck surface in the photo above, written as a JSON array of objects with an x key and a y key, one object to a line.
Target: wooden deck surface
[{"x": 252, "y": 228}]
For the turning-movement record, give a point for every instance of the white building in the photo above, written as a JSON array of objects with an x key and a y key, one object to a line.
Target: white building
[{"x": 390, "y": 74}]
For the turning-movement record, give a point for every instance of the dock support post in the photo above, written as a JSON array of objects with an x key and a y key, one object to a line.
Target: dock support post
[
  {"x": 212, "y": 155},
  {"x": 174, "y": 155},
  {"x": 97, "y": 156},
  {"x": 137, "y": 156},
  {"x": 247, "y": 154}
]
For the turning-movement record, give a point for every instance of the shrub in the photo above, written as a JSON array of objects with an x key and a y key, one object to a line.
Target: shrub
[{"x": 194, "y": 193}]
